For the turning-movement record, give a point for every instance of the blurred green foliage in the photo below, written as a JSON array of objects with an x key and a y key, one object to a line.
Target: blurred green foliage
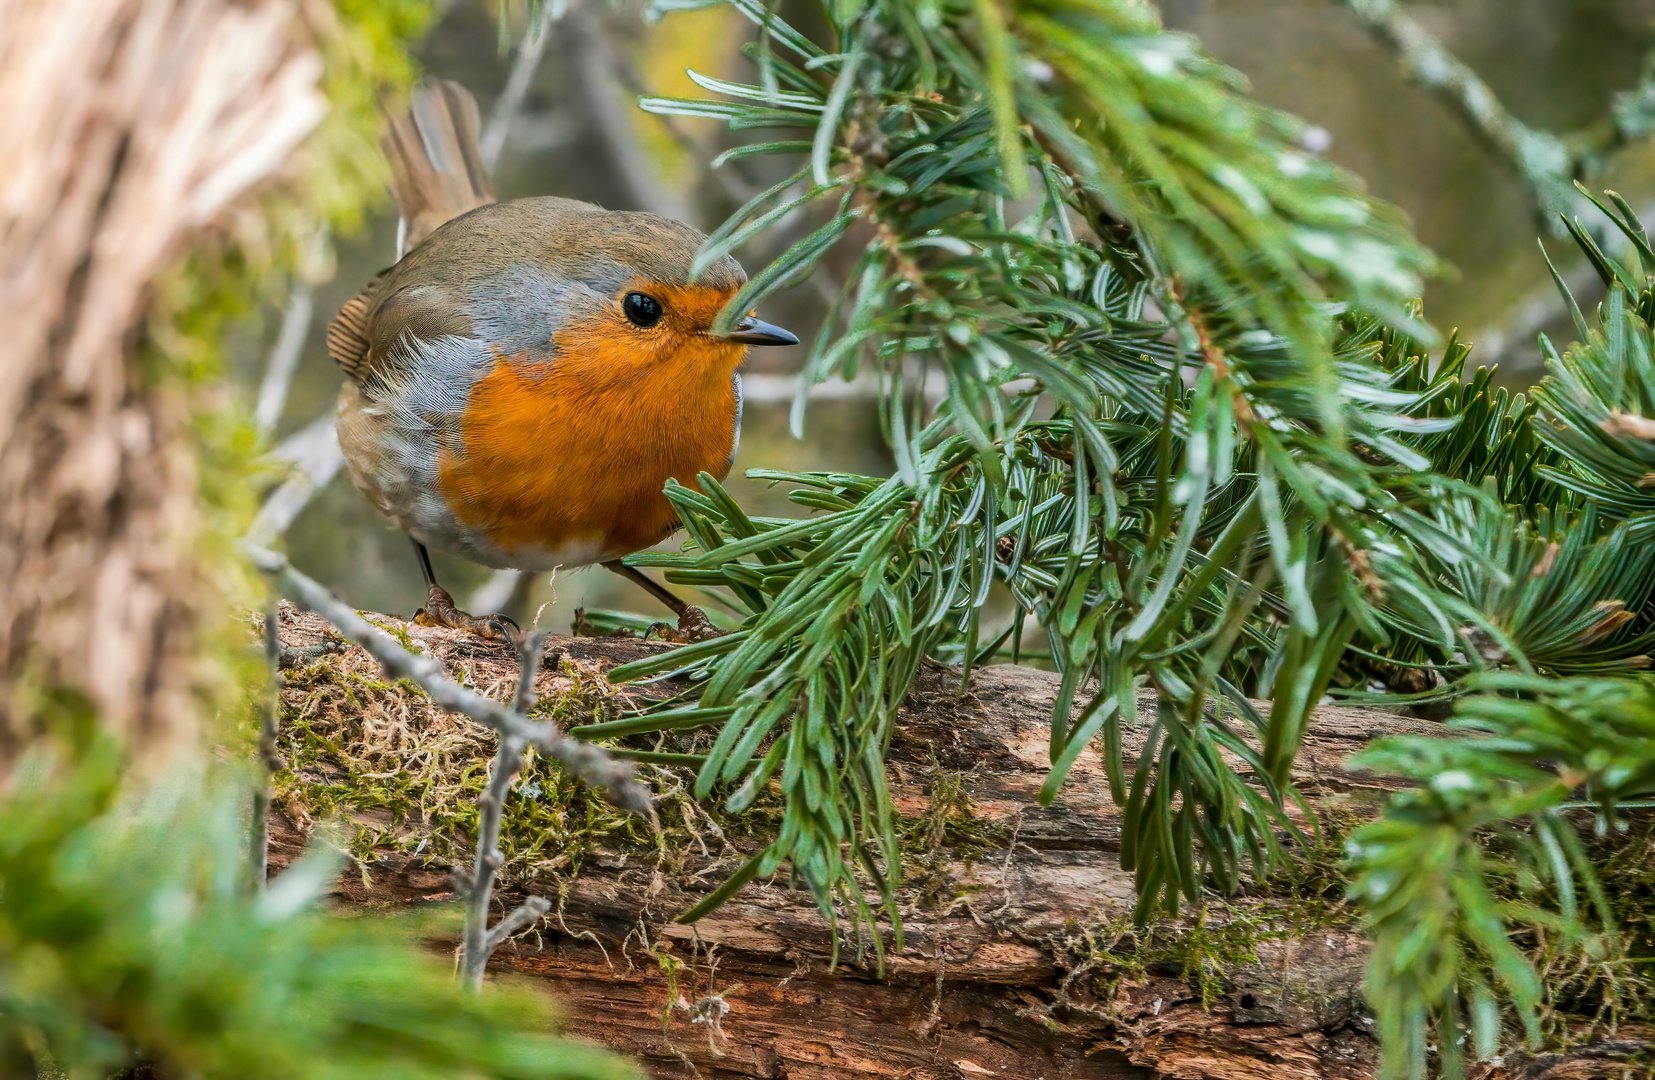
[{"x": 128, "y": 937}]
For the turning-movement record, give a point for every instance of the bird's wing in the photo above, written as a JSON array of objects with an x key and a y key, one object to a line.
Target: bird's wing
[
  {"x": 390, "y": 328},
  {"x": 348, "y": 341}
]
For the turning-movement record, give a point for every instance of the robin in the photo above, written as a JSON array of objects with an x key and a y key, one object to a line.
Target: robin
[{"x": 525, "y": 379}]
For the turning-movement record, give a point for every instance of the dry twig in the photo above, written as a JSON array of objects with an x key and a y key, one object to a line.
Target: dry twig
[
  {"x": 510, "y": 101},
  {"x": 314, "y": 453},
  {"x": 1549, "y": 163},
  {"x": 480, "y": 941}
]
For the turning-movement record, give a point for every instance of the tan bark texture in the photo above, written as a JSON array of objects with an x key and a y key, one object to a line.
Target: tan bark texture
[
  {"x": 1019, "y": 961},
  {"x": 129, "y": 127}
]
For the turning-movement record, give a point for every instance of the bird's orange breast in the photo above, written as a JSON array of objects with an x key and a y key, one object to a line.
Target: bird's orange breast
[{"x": 571, "y": 456}]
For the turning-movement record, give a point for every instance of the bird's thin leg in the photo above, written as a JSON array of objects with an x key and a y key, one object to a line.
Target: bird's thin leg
[
  {"x": 439, "y": 609},
  {"x": 424, "y": 563},
  {"x": 693, "y": 624},
  {"x": 649, "y": 585}
]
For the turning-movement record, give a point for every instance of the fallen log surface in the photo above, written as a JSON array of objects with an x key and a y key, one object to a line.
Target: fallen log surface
[{"x": 1018, "y": 957}]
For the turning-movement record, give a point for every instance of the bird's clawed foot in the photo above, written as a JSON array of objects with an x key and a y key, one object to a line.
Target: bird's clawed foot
[
  {"x": 693, "y": 625},
  {"x": 439, "y": 610}
]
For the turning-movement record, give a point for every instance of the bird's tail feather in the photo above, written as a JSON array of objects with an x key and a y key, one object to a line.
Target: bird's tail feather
[{"x": 437, "y": 169}]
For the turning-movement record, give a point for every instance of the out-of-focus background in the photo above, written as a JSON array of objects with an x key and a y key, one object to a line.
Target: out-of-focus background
[{"x": 569, "y": 126}]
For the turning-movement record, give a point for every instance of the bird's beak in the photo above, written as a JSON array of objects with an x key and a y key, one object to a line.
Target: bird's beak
[{"x": 753, "y": 331}]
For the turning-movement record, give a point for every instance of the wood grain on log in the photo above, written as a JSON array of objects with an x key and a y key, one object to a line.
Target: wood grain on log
[{"x": 1017, "y": 960}]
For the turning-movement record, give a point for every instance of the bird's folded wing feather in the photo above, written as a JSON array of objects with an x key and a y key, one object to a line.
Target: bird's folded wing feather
[{"x": 348, "y": 331}]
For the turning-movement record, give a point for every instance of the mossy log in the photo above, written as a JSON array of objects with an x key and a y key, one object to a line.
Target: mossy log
[{"x": 1019, "y": 959}]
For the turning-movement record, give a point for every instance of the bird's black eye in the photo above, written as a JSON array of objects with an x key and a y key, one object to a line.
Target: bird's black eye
[{"x": 641, "y": 309}]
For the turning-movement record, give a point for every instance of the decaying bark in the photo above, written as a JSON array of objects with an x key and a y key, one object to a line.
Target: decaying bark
[
  {"x": 128, "y": 126},
  {"x": 1016, "y": 961}
]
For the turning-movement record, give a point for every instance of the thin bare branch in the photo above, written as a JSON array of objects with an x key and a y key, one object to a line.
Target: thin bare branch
[
  {"x": 1543, "y": 159},
  {"x": 495, "y": 593},
  {"x": 503, "y": 770},
  {"x": 1508, "y": 339},
  {"x": 304, "y": 447},
  {"x": 284, "y": 358},
  {"x": 1548, "y": 162},
  {"x": 765, "y": 389},
  {"x": 586, "y": 761},
  {"x": 524, "y": 916},
  {"x": 510, "y": 101},
  {"x": 528, "y": 669},
  {"x": 314, "y": 452},
  {"x": 269, "y": 721},
  {"x": 597, "y": 63},
  {"x": 491, "y": 806}
]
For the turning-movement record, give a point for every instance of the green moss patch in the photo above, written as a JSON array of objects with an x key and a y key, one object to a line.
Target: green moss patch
[{"x": 393, "y": 773}]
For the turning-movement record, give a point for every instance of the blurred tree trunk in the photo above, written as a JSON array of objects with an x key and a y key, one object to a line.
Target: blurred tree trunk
[{"x": 129, "y": 126}]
